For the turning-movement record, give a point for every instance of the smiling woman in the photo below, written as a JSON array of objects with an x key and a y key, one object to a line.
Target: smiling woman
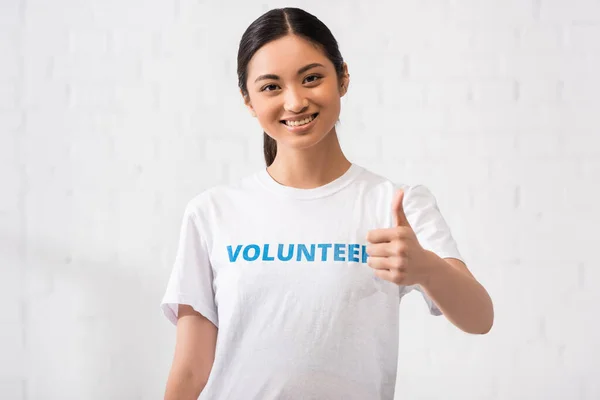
[{"x": 301, "y": 266}]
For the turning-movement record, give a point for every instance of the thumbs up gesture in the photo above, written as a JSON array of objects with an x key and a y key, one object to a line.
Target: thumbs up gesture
[{"x": 395, "y": 253}]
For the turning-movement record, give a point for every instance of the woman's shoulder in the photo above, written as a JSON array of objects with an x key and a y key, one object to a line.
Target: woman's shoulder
[
  {"x": 417, "y": 195},
  {"x": 222, "y": 193},
  {"x": 387, "y": 183}
]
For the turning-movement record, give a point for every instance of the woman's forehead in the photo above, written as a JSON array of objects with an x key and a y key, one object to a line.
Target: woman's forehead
[{"x": 285, "y": 56}]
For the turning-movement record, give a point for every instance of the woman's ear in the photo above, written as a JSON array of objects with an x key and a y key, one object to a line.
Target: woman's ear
[
  {"x": 345, "y": 80},
  {"x": 248, "y": 103}
]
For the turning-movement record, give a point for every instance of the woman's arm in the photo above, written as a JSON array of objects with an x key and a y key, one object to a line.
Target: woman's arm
[
  {"x": 460, "y": 297},
  {"x": 194, "y": 355}
]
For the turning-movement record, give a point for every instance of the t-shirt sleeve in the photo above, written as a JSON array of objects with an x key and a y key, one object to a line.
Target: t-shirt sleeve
[
  {"x": 432, "y": 231},
  {"x": 191, "y": 279}
]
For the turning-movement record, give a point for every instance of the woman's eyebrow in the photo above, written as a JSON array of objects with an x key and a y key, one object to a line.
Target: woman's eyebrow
[{"x": 300, "y": 71}]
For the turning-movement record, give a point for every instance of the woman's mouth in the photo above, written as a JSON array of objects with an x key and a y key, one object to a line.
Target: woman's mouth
[{"x": 302, "y": 125}]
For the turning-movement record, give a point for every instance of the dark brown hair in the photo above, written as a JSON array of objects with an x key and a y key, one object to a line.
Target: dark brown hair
[{"x": 273, "y": 25}]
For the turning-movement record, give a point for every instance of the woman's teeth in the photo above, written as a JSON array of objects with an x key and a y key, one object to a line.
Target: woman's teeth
[{"x": 301, "y": 122}]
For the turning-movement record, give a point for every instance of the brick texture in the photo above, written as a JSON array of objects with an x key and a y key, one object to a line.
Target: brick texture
[{"x": 114, "y": 114}]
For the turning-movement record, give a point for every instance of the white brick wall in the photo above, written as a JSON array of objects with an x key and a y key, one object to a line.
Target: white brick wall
[{"x": 114, "y": 114}]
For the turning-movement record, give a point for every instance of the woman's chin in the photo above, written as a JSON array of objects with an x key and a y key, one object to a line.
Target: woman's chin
[{"x": 302, "y": 141}]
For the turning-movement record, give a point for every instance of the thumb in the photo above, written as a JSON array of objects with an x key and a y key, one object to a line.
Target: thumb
[{"x": 398, "y": 210}]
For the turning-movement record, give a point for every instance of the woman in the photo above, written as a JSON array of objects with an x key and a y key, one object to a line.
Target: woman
[{"x": 300, "y": 267}]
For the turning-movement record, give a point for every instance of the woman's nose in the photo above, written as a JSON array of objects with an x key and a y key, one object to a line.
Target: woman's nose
[{"x": 295, "y": 102}]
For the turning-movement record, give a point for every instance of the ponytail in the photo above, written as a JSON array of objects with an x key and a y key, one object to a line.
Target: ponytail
[{"x": 269, "y": 149}]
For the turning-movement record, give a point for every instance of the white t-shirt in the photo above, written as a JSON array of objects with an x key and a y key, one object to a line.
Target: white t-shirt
[{"x": 282, "y": 273}]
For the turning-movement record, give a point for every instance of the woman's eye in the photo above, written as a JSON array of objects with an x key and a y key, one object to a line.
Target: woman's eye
[
  {"x": 272, "y": 87},
  {"x": 266, "y": 88}
]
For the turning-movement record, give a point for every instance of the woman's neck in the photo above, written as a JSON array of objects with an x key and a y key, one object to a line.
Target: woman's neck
[{"x": 310, "y": 168}]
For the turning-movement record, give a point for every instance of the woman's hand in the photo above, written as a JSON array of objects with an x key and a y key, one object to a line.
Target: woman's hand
[{"x": 395, "y": 253}]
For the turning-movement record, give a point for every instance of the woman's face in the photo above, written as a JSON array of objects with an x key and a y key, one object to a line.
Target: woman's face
[{"x": 289, "y": 82}]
